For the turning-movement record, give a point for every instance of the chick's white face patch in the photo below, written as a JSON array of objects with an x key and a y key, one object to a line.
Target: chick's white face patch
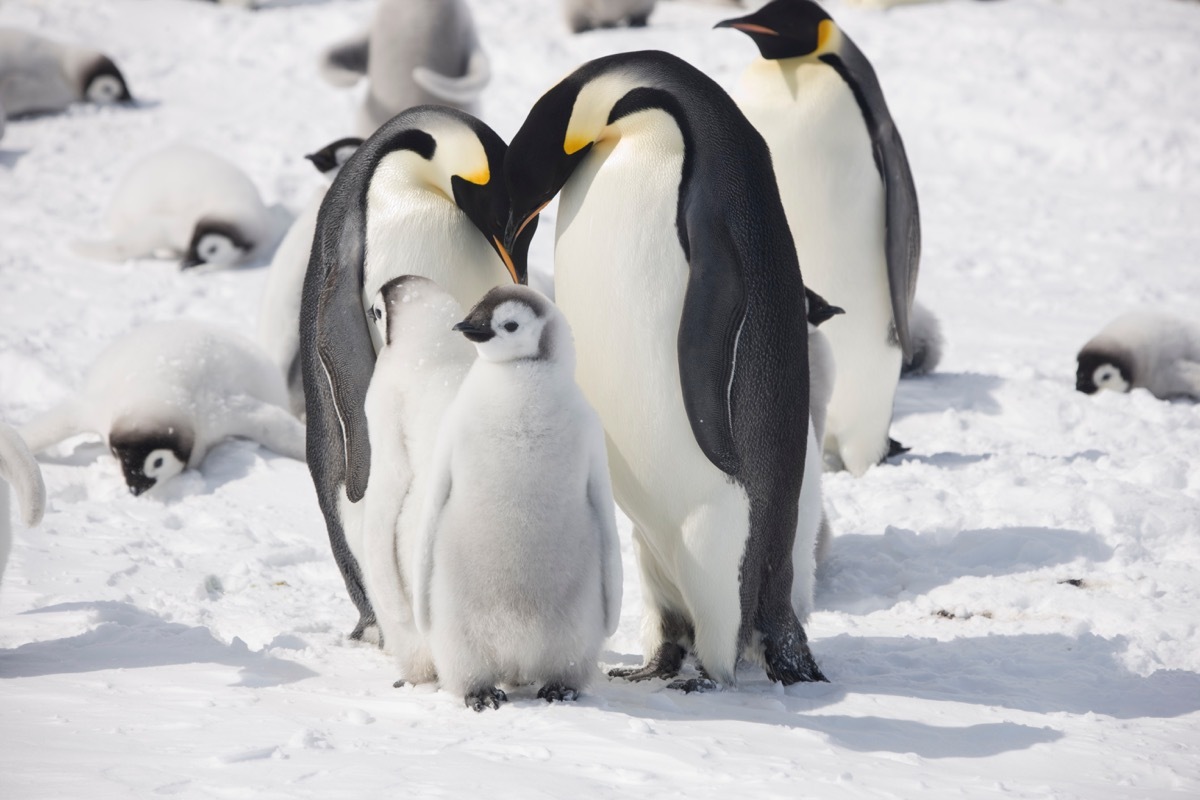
[
  {"x": 1109, "y": 377},
  {"x": 218, "y": 250},
  {"x": 518, "y": 333},
  {"x": 105, "y": 89},
  {"x": 161, "y": 465}
]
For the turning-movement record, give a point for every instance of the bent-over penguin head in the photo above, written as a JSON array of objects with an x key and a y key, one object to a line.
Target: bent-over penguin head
[
  {"x": 788, "y": 29},
  {"x": 412, "y": 305},
  {"x": 216, "y": 243},
  {"x": 516, "y": 323},
  {"x": 150, "y": 454},
  {"x": 819, "y": 309},
  {"x": 102, "y": 83},
  {"x": 1103, "y": 369},
  {"x": 333, "y": 156}
]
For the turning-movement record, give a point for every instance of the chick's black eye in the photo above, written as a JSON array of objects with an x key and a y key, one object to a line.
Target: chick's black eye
[
  {"x": 511, "y": 326},
  {"x": 158, "y": 462}
]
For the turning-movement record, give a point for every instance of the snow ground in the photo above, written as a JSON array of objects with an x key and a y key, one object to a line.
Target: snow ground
[{"x": 193, "y": 643}]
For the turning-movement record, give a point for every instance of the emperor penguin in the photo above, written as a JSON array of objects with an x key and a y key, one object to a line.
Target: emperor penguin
[
  {"x": 39, "y": 75},
  {"x": 279, "y": 309},
  {"x": 189, "y": 203},
  {"x": 674, "y": 265},
  {"x": 416, "y": 378},
  {"x": 18, "y": 469},
  {"x": 424, "y": 195},
  {"x": 415, "y": 52},
  {"x": 584, "y": 15},
  {"x": 1142, "y": 349},
  {"x": 163, "y": 394},
  {"x": 518, "y": 575},
  {"x": 851, "y": 204}
]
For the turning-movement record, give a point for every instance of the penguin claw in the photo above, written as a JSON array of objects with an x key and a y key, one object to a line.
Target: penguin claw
[
  {"x": 552, "y": 692},
  {"x": 699, "y": 685},
  {"x": 802, "y": 668},
  {"x": 399, "y": 683},
  {"x": 485, "y": 698},
  {"x": 665, "y": 664}
]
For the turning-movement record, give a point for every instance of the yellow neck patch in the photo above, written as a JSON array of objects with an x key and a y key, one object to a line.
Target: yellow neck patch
[
  {"x": 573, "y": 144},
  {"x": 479, "y": 178},
  {"x": 825, "y": 34}
]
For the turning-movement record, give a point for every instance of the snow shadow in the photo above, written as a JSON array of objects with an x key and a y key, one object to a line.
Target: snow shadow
[
  {"x": 127, "y": 637},
  {"x": 9, "y": 158},
  {"x": 964, "y": 391},
  {"x": 864, "y": 574},
  {"x": 1042, "y": 673}
]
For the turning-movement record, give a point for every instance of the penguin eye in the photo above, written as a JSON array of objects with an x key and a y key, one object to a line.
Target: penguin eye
[
  {"x": 511, "y": 326},
  {"x": 158, "y": 462},
  {"x": 377, "y": 313}
]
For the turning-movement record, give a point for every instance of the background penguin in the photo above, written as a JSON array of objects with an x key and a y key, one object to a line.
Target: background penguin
[
  {"x": 41, "y": 75},
  {"x": 422, "y": 196},
  {"x": 279, "y": 310},
  {"x": 584, "y": 15},
  {"x": 1143, "y": 349},
  {"x": 675, "y": 266},
  {"x": 416, "y": 378},
  {"x": 18, "y": 468},
  {"x": 851, "y": 203},
  {"x": 529, "y": 595},
  {"x": 165, "y": 393},
  {"x": 3, "y": 120},
  {"x": 927, "y": 342},
  {"x": 415, "y": 52},
  {"x": 189, "y": 202}
]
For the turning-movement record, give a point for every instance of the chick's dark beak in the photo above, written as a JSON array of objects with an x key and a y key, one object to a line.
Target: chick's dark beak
[{"x": 475, "y": 332}]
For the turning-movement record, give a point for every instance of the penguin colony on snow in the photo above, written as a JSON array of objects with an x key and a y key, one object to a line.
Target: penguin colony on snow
[{"x": 687, "y": 373}]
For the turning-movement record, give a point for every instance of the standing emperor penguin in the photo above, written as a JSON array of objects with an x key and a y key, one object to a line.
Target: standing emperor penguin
[
  {"x": 518, "y": 576},
  {"x": 851, "y": 203},
  {"x": 415, "y": 52},
  {"x": 17, "y": 467},
  {"x": 416, "y": 378},
  {"x": 424, "y": 195},
  {"x": 674, "y": 265},
  {"x": 41, "y": 75},
  {"x": 279, "y": 309}
]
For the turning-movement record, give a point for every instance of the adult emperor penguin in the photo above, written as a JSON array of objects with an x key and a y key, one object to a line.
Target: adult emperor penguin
[
  {"x": 18, "y": 468},
  {"x": 674, "y": 265},
  {"x": 279, "y": 309},
  {"x": 530, "y": 595},
  {"x": 165, "y": 393},
  {"x": 185, "y": 202},
  {"x": 1145, "y": 349},
  {"x": 41, "y": 75},
  {"x": 851, "y": 203},
  {"x": 415, "y": 52},
  {"x": 424, "y": 195},
  {"x": 416, "y": 378}
]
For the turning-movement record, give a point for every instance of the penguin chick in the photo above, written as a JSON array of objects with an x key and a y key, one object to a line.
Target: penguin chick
[
  {"x": 417, "y": 375},
  {"x": 584, "y": 15},
  {"x": 41, "y": 75},
  {"x": 1147, "y": 350},
  {"x": 18, "y": 468},
  {"x": 519, "y": 569},
  {"x": 186, "y": 202},
  {"x": 333, "y": 156},
  {"x": 164, "y": 394},
  {"x": 927, "y": 342}
]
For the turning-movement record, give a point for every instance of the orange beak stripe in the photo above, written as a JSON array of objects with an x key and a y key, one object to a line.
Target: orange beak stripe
[
  {"x": 531, "y": 217},
  {"x": 749, "y": 27},
  {"x": 506, "y": 258}
]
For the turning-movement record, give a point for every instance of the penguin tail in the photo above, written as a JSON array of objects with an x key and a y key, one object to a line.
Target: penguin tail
[
  {"x": 927, "y": 343},
  {"x": 460, "y": 91},
  {"x": 61, "y": 422},
  {"x": 18, "y": 467},
  {"x": 344, "y": 63}
]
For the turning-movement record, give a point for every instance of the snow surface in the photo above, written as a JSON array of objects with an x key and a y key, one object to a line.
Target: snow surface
[{"x": 192, "y": 642}]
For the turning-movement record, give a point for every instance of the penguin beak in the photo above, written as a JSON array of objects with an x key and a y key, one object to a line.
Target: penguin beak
[
  {"x": 746, "y": 27},
  {"x": 514, "y": 230},
  {"x": 476, "y": 333},
  {"x": 506, "y": 257}
]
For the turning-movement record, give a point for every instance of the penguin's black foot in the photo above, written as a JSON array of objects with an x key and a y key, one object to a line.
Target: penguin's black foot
[
  {"x": 665, "y": 664},
  {"x": 794, "y": 664},
  {"x": 399, "y": 684},
  {"x": 699, "y": 685},
  {"x": 552, "y": 692},
  {"x": 485, "y": 698},
  {"x": 639, "y": 20},
  {"x": 580, "y": 26},
  {"x": 894, "y": 449},
  {"x": 367, "y": 629}
]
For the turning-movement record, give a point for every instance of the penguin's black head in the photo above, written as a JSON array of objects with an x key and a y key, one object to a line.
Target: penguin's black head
[
  {"x": 216, "y": 243},
  {"x": 104, "y": 84},
  {"x": 1103, "y": 369},
  {"x": 149, "y": 455},
  {"x": 512, "y": 323},
  {"x": 786, "y": 28},
  {"x": 819, "y": 309},
  {"x": 330, "y": 158}
]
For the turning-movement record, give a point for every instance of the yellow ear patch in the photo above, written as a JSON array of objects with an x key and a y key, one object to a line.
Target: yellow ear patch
[
  {"x": 574, "y": 143},
  {"x": 479, "y": 178},
  {"x": 825, "y": 32}
]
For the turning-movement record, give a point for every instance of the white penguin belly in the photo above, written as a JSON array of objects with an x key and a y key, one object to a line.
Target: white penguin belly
[{"x": 834, "y": 199}]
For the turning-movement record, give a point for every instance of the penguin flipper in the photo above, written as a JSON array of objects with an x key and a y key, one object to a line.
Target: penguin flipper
[
  {"x": 270, "y": 425},
  {"x": 61, "y": 422},
  {"x": 18, "y": 467},
  {"x": 344, "y": 63},
  {"x": 600, "y": 498},
  {"x": 460, "y": 91}
]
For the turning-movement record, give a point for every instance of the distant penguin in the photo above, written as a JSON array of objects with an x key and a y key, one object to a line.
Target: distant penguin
[
  {"x": 42, "y": 75},
  {"x": 850, "y": 199},
  {"x": 927, "y": 342},
  {"x": 279, "y": 309},
  {"x": 162, "y": 395},
  {"x": 584, "y": 15},
  {"x": 1148, "y": 350},
  {"x": 675, "y": 267},
  {"x": 18, "y": 468},
  {"x": 518, "y": 575},
  {"x": 416, "y": 378},
  {"x": 424, "y": 195},
  {"x": 3, "y": 120},
  {"x": 415, "y": 52},
  {"x": 186, "y": 202}
]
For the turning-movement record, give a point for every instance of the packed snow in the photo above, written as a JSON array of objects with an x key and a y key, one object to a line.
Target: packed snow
[{"x": 1008, "y": 610}]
